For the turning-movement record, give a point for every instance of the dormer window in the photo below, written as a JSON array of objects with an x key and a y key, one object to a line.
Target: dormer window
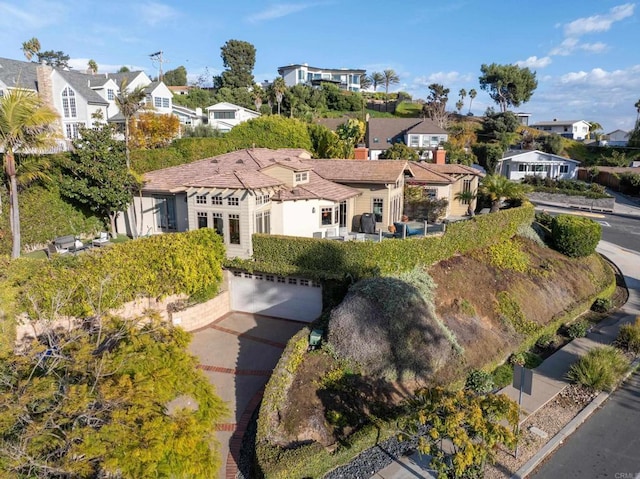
[
  {"x": 69, "y": 103},
  {"x": 302, "y": 177}
]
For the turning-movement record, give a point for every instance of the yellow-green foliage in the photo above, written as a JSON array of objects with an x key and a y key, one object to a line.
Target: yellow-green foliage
[
  {"x": 336, "y": 259},
  {"x": 508, "y": 255},
  {"x": 509, "y": 309},
  {"x": 187, "y": 263},
  {"x": 629, "y": 336},
  {"x": 92, "y": 402}
]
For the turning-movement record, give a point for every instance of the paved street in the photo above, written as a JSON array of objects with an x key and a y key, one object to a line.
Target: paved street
[{"x": 607, "y": 445}]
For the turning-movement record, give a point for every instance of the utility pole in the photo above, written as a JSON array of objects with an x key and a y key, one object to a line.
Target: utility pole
[{"x": 157, "y": 57}]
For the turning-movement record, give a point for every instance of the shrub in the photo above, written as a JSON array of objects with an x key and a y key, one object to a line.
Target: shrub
[
  {"x": 546, "y": 340},
  {"x": 600, "y": 369},
  {"x": 575, "y": 236},
  {"x": 601, "y": 305},
  {"x": 508, "y": 255},
  {"x": 578, "y": 329},
  {"x": 526, "y": 359},
  {"x": 503, "y": 375},
  {"x": 479, "y": 381},
  {"x": 511, "y": 313},
  {"x": 629, "y": 337}
]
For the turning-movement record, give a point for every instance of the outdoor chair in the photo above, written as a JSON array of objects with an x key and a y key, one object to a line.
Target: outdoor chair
[{"x": 101, "y": 240}]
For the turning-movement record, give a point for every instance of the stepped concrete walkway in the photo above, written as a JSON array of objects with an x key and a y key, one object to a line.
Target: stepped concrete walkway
[{"x": 549, "y": 378}]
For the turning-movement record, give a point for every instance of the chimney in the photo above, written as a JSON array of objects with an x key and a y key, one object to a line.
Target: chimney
[
  {"x": 45, "y": 85},
  {"x": 361, "y": 153},
  {"x": 440, "y": 156}
]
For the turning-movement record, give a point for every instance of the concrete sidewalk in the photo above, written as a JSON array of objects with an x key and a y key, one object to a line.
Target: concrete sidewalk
[
  {"x": 549, "y": 377},
  {"x": 623, "y": 206}
]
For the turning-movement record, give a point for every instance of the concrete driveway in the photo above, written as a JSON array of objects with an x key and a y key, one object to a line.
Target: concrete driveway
[{"x": 238, "y": 353}]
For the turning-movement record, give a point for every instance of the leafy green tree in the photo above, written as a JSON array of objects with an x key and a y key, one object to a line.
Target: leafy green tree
[
  {"x": 500, "y": 127},
  {"x": 552, "y": 144},
  {"x": 390, "y": 77},
  {"x": 595, "y": 130},
  {"x": 239, "y": 58},
  {"x": 195, "y": 98},
  {"x": 499, "y": 188},
  {"x": 31, "y": 48},
  {"x": 472, "y": 95},
  {"x": 93, "y": 66},
  {"x": 473, "y": 425},
  {"x": 458, "y": 154},
  {"x": 25, "y": 124},
  {"x": 176, "y": 77},
  {"x": 96, "y": 174},
  {"x": 124, "y": 69},
  {"x": 350, "y": 134},
  {"x": 106, "y": 399},
  {"x": 508, "y": 85},
  {"x": 58, "y": 59},
  {"x": 399, "y": 151},
  {"x": 435, "y": 107},
  {"x": 488, "y": 155},
  {"x": 324, "y": 142},
  {"x": 270, "y": 131},
  {"x": 129, "y": 102}
]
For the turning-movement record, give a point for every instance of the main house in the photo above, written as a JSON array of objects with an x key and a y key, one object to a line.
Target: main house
[
  {"x": 517, "y": 164},
  {"x": 345, "y": 78},
  {"x": 80, "y": 99},
  {"x": 572, "y": 129},
  {"x": 282, "y": 191}
]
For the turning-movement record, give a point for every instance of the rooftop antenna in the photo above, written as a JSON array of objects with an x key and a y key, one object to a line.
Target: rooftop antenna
[{"x": 158, "y": 58}]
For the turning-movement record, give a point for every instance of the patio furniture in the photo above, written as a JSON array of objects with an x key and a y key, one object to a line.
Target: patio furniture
[
  {"x": 102, "y": 240},
  {"x": 64, "y": 244},
  {"x": 404, "y": 230},
  {"x": 315, "y": 338}
]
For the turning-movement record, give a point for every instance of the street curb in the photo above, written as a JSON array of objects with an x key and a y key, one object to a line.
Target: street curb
[
  {"x": 557, "y": 440},
  {"x": 542, "y": 204}
]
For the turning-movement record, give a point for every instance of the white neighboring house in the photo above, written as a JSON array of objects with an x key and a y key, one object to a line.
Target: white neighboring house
[
  {"x": 189, "y": 117},
  {"x": 573, "y": 129},
  {"x": 515, "y": 165},
  {"x": 224, "y": 116},
  {"x": 345, "y": 78},
  {"x": 617, "y": 138}
]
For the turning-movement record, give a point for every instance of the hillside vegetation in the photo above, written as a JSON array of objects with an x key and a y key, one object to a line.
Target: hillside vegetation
[{"x": 429, "y": 326}]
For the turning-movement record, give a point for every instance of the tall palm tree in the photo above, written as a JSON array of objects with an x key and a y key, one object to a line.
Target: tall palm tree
[
  {"x": 129, "y": 102},
  {"x": 500, "y": 188},
  {"x": 594, "y": 127},
  {"x": 257, "y": 94},
  {"x": 390, "y": 78},
  {"x": 377, "y": 79},
  {"x": 468, "y": 198},
  {"x": 365, "y": 82},
  {"x": 30, "y": 48},
  {"x": 278, "y": 87},
  {"x": 472, "y": 94},
  {"x": 25, "y": 124}
]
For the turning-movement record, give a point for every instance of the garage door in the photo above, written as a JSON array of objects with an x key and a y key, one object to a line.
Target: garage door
[{"x": 289, "y": 298}]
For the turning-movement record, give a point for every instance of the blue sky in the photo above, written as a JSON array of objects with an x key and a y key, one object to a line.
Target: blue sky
[{"x": 585, "y": 53}]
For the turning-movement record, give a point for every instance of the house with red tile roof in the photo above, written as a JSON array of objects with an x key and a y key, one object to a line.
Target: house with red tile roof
[{"x": 282, "y": 192}]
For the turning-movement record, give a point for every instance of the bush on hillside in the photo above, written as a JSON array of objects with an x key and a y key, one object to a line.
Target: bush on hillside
[
  {"x": 388, "y": 327},
  {"x": 629, "y": 337},
  {"x": 575, "y": 236},
  {"x": 600, "y": 369},
  {"x": 602, "y": 305},
  {"x": 271, "y": 131},
  {"x": 479, "y": 381},
  {"x": 578, "y": 329}
]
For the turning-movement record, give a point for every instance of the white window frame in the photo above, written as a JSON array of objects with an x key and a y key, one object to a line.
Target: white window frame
[{"x": 69, "y": 106}]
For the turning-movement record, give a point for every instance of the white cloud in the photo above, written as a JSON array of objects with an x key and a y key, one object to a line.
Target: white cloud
[
  {"x": 33, "y": 15},
  {"x": 598, "y": 23},
  {"x": 444, "y": 78},
  {"x": 155, "y": 13},
  {"x": 567, "y": 46},
  {"x": 279, "y": 10},
  {"x": 534, "y": 62},
  {"x": 81, "y": 65},
  {"x": 597, "y": 47}
]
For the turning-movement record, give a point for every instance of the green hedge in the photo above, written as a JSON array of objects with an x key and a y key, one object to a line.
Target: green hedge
[
  {"x": 575, "y": 236},
  {"x": 187, "y": 263},
  {"x": 336, "y": 259},
  {"x": 44, "y": 214}
]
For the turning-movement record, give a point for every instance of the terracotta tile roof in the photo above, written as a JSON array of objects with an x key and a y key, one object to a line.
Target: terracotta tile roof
[
  {"x": 356, "y": 171},
  {"x": 391, "y": 130},
  {"x": 317, "y": 188},
  {"x": 454, "y": 169},
  {"x": 422, "y": 173},
  {"x": 241, "y": 179}
]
